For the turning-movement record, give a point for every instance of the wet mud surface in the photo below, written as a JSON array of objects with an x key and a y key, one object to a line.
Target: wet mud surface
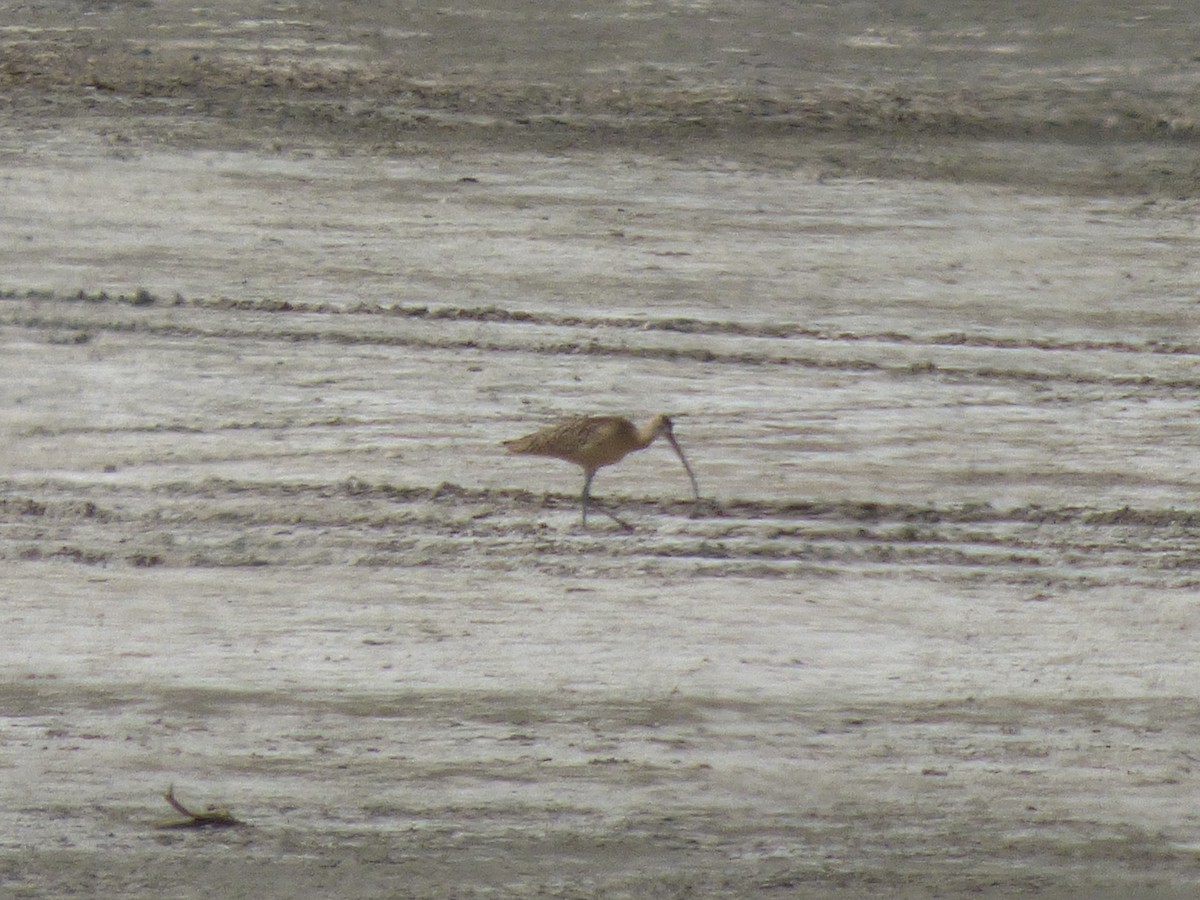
[{"x": 918, "y": 286}]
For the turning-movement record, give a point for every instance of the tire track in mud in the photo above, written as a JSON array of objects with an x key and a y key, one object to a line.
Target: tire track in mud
[
  {"x": 206, "y": 520},
  {"x": 1158, "y": 363},
  {"x": 490, "y": 314},
  {"x": 224, "y": 523}
]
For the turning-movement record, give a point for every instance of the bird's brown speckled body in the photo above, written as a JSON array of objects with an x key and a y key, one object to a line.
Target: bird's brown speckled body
[{"x": 593, "y": 442}]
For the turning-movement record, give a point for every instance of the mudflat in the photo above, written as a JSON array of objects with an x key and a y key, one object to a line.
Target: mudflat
[{"x": 916, "y": 282}]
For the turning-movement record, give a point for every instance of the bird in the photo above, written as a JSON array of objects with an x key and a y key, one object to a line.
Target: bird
[{"x": 593, "y": 442}]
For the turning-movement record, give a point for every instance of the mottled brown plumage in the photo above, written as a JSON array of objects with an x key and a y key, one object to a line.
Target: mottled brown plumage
[{"x": 592, "y": 442}]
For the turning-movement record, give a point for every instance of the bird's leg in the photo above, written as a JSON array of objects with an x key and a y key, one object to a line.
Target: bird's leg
[{"x": 587, "y": 485}]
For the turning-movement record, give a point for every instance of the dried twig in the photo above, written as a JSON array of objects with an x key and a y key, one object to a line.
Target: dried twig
[{"x": 212, "y": 817}]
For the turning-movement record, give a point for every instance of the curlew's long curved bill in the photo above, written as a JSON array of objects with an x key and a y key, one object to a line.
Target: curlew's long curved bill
[{"x": 683, "y": 459}]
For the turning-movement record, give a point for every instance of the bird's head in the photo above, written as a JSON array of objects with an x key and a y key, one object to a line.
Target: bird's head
[{"x": 661, "y": 426}]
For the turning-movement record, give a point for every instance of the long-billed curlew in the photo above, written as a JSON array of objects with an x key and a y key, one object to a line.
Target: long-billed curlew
[{"x": 596, "y": 441}]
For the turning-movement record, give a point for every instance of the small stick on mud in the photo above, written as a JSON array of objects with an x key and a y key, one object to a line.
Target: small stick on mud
[{"x": 213, "y": 817}]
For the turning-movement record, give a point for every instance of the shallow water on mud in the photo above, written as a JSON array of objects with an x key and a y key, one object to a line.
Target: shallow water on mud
[{"x": 919, "y": 291}]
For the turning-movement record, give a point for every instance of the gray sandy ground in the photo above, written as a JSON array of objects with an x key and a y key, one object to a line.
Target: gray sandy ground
[{"x": 918, "y": 283}]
